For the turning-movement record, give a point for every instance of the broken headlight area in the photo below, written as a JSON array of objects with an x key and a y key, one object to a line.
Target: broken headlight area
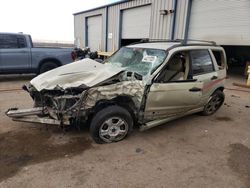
[{"x": 63, "y": 105}]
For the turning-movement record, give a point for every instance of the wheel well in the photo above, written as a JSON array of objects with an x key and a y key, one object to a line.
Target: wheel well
[
  {"x": 123, "y": 101},
  {"x": 220, "y": 88},
  {"x": 49, "y": 60}
]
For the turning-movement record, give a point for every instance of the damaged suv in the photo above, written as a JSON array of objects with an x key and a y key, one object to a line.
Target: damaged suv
[{"x": 144, "y": 84}]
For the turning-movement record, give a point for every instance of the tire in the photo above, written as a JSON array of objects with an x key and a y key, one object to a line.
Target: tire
[
  {"x": 47, "y": 66},
  {"x": 215, "y": 102},
  {"x": 111, "y": 124}
]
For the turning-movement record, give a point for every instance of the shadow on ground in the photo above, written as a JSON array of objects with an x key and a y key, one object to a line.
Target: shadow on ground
[{"x": 19, "y": 149}]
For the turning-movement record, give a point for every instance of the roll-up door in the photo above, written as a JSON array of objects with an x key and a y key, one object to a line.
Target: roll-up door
[
  {"x": 136, "y": 22},
  {"x": 225, "y": 21},
  {"x": 94, "y": 32}
]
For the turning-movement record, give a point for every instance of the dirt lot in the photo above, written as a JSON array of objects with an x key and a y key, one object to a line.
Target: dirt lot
[{"x": 194, "y": 151}]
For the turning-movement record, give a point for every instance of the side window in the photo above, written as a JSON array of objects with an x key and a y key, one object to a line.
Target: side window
[
  {"x": 12, "y": 41},
  {"x": 201, "y": 62},
  {"x": 219, "y": 57},
  {"x": 176, "y": 70},
  {"x": 21, "y": 42},
  {"x": 8, "y": 41}
]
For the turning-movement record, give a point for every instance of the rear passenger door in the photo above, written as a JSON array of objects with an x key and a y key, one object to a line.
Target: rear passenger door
[
  {"x": 203, "y": 70},
  {"x": 14, "y": 53}
]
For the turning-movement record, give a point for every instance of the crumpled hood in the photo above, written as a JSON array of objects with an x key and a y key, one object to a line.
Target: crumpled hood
[{"x": 85, "y": 72}]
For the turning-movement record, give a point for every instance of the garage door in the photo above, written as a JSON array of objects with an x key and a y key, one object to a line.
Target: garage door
[
  {"x": 225, "y": 21},
  {"x": 94, "y": 32},
  {"x": 136, "y": 22}
]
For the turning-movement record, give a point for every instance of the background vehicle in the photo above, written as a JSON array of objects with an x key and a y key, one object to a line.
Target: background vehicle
[
  {"x": 17, "y": 55},
  {"x": 147, "y": 83},
  {"x": 78, "y": 54}
]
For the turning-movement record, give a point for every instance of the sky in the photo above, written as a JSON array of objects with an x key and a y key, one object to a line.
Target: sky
[{"x": 44, "y": 19}]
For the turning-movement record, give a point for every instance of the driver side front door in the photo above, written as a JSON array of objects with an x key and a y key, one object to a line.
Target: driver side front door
[
  {"x": 174, "y": 91},
  {"x": 171, "y": 99}
]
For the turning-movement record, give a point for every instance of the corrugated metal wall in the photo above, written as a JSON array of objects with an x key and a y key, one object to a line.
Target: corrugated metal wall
[
  {"x": 114, "y": 17},
  {"x": 227, "y": 23},
  {"x": 160, "y": 26},
  {"x": 80, "y": 30},
  {"x": 182, "y": 6},
  {"x": 134, "y": 20}
]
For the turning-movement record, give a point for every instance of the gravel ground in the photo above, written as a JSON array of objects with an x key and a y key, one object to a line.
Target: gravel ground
[{"x": 194, "y": 151}]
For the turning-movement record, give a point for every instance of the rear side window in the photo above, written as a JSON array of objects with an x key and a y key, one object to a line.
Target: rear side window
[
  {"x": 219, "y": 57},
  {"x": 201, "y": 62},
  {"x": 12, "y": 41}
]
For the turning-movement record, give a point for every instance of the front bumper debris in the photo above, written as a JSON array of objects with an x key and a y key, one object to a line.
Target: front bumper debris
[
  {"x": 40, "y": 120},
  {"x": 31, "y": 115},
  {"x": 15, "y": 112}
]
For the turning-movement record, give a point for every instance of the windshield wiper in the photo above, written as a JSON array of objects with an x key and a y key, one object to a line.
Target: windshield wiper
[{"x": 136, "y": 75}]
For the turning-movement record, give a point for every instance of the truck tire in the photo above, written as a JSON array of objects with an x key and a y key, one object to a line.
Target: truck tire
[
  {"x": 111, "y": 124},
  {"x": 47, "y": 66}
]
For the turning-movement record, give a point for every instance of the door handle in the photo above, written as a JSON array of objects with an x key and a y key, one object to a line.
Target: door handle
[
  {"x": 195, "y": 89},
  {"x": 214, "y": 78}
]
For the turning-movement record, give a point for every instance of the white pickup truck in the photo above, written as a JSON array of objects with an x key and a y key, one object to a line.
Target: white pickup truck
[{"x": 17, "y": 55}]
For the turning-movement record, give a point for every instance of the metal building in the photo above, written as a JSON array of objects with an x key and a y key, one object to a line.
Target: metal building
[
  {"x": 225, "y": 21},
  {"x": 109, "y": 27}
]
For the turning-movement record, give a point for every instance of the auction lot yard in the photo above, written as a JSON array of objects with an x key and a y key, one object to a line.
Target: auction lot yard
[{"x": 194, "y": 151}]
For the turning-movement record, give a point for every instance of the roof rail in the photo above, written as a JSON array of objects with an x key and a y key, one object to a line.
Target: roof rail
[
  {"x": 197, "y": 40},
  {"x": 160, "y": 40},
  {"x": 181, "y": 41},
  {"x": 155, "y": 40}
]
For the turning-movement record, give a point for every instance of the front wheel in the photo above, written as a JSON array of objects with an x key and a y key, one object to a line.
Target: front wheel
[
  {"x": 47, "y": 66},
  {"x": 111, "y": 124},
  {"x": 215, "y": 102}
]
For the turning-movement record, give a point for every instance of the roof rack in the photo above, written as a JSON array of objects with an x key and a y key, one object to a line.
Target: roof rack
[
  {"x": 195, "y": 40},
  {"x": 155, "y": 40},
  {"x": 182, "y": 41},
  {"x": 159, "y": 40}
]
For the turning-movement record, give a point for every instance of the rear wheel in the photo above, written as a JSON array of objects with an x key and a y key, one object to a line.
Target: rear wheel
[
  {"x": 47, "y": 66},
  {"x": 111, "y": 124},
  {"x": 214, "y": 103}
]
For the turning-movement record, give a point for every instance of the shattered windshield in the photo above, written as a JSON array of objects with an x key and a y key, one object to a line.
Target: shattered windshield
[{"x": 140, "y": 60}]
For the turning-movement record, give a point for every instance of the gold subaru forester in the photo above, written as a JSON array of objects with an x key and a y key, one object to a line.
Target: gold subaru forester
[{"x": 148, "y": 83}]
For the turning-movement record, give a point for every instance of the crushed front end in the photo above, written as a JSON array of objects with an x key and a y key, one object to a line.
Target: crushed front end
[
  {"x": 56, "y": 106},
  {"x": 63, "y": 105},
  {"x": 58, "y": 94}
]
